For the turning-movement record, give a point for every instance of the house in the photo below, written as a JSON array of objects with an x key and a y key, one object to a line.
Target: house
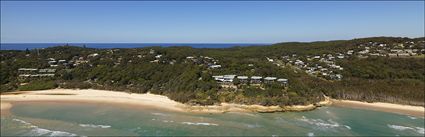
[
  {"x": 51, "y": 70},
  {"x": 283, "y": 81},
  {"x": 92, "y": 55},
  {"x": 375, "y": 54},
  {"x": 42, "y": 71},
  {"x": 243, "y": 79},
  {"x": 396, "y": 51},
  {"x": 52, "y": 62},
  {"x": 309, "y": 71},
  {"x": 336, "y": 76},
  {"x": 256, "y": 79},
  {"x": 299, "y": 62},
  {"x": 24, "y": 75},
  {"x": 336, "y": 67},
  {"x": 269, "y": 59},
  {"x": 269, "y": 79},
  {"x": 228, "y": 78},
  {"x": 364, "y": 51},
  {"x": 47, "y": 71},
  {"x": 403, "y": 54},
  {"x": 392, "y": 55},
  {"x": 218, "y": 78},
  {"x": 323, "y": 69},
  {"x": 215, "y": 66},
  {"x": 154, "y": 61},
  {"x": 46, "y": 75},
  {"x": 27, "y": 70},
  {"x": 61, "y": 61}
]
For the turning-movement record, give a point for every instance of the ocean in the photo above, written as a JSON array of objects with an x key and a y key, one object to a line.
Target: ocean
[
  {"x": 24, "y": 46},
  {"x": 97, "y": 119}
]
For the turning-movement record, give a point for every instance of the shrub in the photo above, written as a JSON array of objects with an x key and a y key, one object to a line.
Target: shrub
[{"x": 38, "y": 85}]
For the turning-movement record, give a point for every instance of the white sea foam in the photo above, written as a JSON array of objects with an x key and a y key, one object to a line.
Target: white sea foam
[
  {"x": 167, "y": 121},
  {"x": 94, "y": 126},
  {"x": 348, "y": 127},
  {"x": 419, "y": 130},
  {"x": 159, "y": 114},
  {"x": 412, "y": 117},
  {"x": 36, "y": 131},
  {"x": 200, "y": 124},
  {"x": 310, "y": 134},
  {"x": 397, "y": 127},
  {"x": 321, "y": 123},
  {"x": 253, "y": 125}
]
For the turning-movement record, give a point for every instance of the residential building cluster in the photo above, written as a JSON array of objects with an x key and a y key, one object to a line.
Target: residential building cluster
[
  {"x": 318, "y": 65},
  {"x": 25, "y": 73},
  {"x": 230, "y": 79},
  {"x": 406, "y": 49},
  {"x": 325, "y": 65},
  {"x": 204, "y": 60}
]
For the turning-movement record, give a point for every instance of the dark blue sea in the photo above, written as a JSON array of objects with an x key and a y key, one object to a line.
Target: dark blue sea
[{"x": 23, "y": 46}]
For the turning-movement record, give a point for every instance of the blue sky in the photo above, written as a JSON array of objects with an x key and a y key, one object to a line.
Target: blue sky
[{"x": 207, "y": 22}]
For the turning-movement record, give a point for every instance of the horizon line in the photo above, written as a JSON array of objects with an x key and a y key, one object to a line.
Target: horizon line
[{"x": 206, "y": 42}]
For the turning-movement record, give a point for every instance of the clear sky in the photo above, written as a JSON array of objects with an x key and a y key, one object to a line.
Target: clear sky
[{"x": 207, "y": 22}]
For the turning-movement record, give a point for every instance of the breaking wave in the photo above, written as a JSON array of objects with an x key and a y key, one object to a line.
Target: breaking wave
[
  {"x": 322, "y": 123},
  {"x": 37, "y": 131},
  {"x": 159, "y": 114},
  {"x": 253, "y": 125},
  {"x": 167, "y": 121},
  {"x": 412, "y": 117},
  {"x": 200, "y": 124},
  {"x": 402, "y": 128},
  {"x": 94, "y": 126},
  {"x": 348, "y": 127},
  {"x": 310, "y": 134}
]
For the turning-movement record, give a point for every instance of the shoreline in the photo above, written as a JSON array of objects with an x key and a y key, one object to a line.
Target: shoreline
[
  {"x": 163, "y": 102},
  {"x": 142, "y": 100},
  {"x": 418, "y": 111}
]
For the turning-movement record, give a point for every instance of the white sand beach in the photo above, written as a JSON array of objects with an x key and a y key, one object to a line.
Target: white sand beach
[
  {"x": 163, "y": 102},
  {"x": 380, "y": 106},
  {"x": 147, "y": 100},
  {"x": 90, "y": 95}
]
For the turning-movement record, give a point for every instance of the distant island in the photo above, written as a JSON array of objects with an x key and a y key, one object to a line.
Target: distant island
[{"x": 376, "y": 69}]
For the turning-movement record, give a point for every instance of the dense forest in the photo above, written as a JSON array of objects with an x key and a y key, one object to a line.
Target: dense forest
[{"x": 184, "y": 74}]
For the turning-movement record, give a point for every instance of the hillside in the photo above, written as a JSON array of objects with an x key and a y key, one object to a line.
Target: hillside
[{"x": 382, "y": 69}]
